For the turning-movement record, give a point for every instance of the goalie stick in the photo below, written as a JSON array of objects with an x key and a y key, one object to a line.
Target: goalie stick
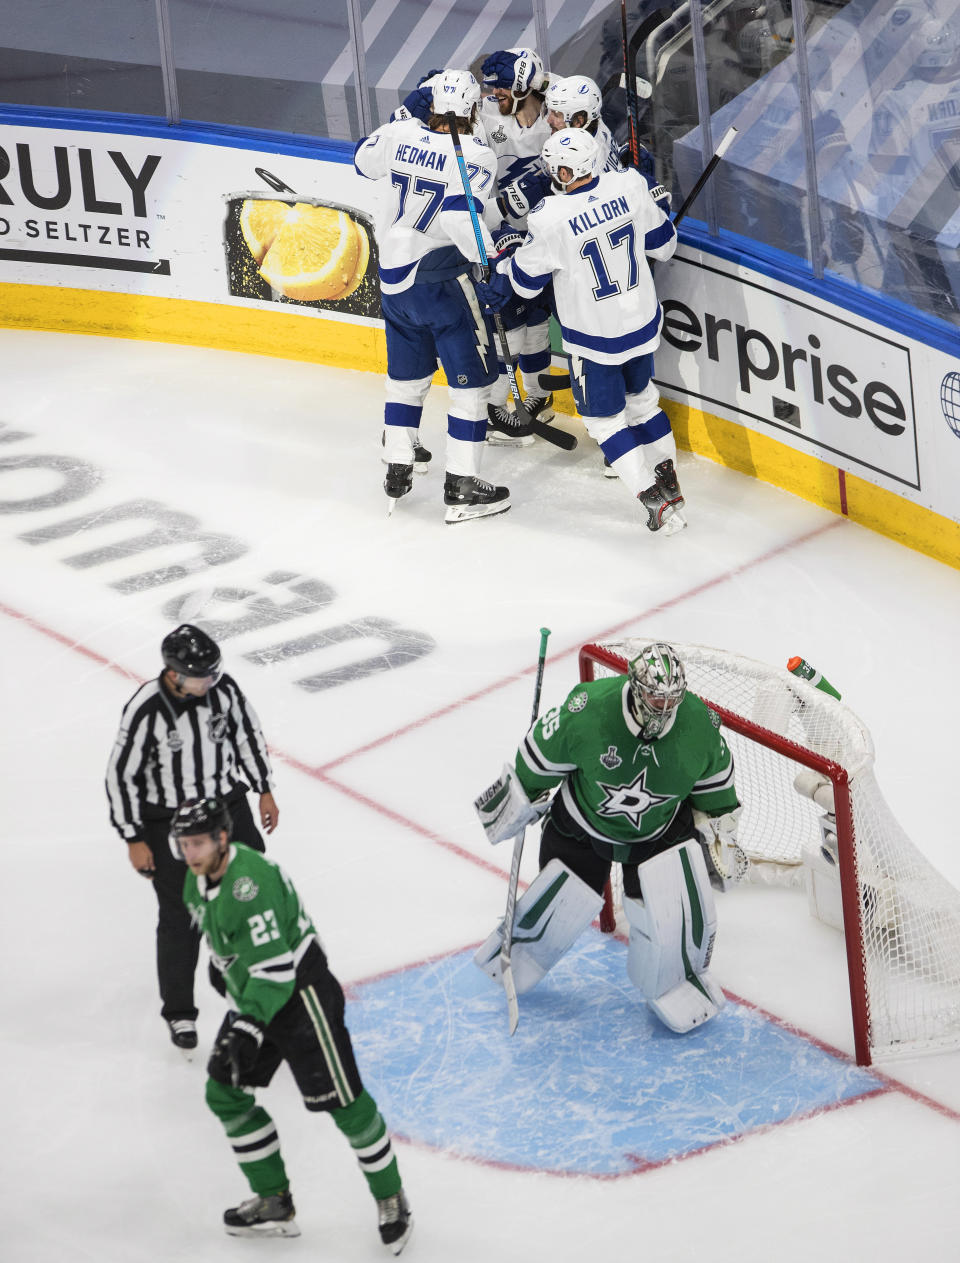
[
  {"x": 509, "y": 915},
  {"x": 559, "y": 438},
  {"x": 561, "y": 381}
]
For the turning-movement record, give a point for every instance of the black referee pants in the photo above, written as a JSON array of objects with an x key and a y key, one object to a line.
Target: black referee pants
[{"x": 178, "y": 940}]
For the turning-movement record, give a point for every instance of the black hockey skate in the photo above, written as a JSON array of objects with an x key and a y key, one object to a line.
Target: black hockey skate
[
  {"x": 608, "y": 469},
  {"x": 666, "y": 477},
  {"x": 398, "y": 482},
  {"x": 467, "y": 497},
  {"x": 540, "y": 406},
  {"x": 421, "y": 456},
  {"x": 396, "y": 1222},
  {"x": 183, "y": 1034},
  {"x": 263, "y": 1217},
  {"x": 504, "y": 430},
  {"x": 661, "y": 516}
]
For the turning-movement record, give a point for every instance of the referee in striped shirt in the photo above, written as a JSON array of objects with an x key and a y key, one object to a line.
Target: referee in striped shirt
[{"x": 190, "y": 733}]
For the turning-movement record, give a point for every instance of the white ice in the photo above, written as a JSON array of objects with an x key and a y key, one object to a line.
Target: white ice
[{"x": 109, "y": 1152}]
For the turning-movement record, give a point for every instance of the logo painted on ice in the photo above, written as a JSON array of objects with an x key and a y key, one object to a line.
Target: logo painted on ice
[{"x": 950, "y": 401}]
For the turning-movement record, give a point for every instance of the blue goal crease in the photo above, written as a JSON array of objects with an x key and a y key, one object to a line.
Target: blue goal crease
[{"x": 591, "y": 1084}]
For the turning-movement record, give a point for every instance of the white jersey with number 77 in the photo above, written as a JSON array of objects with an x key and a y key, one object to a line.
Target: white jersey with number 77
[{"x": 593, "y": 244}]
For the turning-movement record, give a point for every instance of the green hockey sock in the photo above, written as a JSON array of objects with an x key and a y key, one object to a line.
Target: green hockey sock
[
  {"x": 252, "y": 1133},
  {"x": 363, "y": 1126}
]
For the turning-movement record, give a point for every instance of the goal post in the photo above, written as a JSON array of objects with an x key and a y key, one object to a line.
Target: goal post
[{"x": 900, "y": 917}]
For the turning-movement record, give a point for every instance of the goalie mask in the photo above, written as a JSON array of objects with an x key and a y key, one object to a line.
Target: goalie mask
[
  {"x": 456, "y": 92},
  {"x": 574, "y": 149},
  {"x": 658, "y": 684},
  {"x": 574, "y": 95}
]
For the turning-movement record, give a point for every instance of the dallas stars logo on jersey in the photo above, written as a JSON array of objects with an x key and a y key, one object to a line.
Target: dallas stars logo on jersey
[{"x": 630, "y": 801}]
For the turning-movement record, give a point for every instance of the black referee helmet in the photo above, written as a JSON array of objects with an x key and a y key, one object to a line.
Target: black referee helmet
[{"x": 191, "y": 652}]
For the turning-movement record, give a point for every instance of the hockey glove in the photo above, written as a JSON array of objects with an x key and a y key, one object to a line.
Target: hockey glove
[
  {"x": 419, "y": 102},
  {"x": 504, "y": 808},
  {"x": 519, "y": 198},
  {"x": 235, "y": 1052},
  {"x": 727, "y": 862},
  {"x": 495, "y": 293}
]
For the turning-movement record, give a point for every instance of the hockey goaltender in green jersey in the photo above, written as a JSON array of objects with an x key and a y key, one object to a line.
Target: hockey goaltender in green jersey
[
  {"x": 288, "y": 1006},
  {"x": 645, "y": 780}
]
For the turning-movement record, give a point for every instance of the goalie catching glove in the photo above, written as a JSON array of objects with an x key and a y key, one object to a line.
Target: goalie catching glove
[
  {"x": 727, "y": 862},
  {"x": 504, "y": 808}
]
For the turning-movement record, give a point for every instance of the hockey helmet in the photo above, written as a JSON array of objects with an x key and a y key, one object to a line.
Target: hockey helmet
[
  {"x": 198, "y": 815},
  {"x": 572, "y": 148},
  {"x": 939, "y": 50},
  {"x": 189, "y": 651},
  {"x": 455, "y": 92},
  {"x": 519, "y": 70},
  {"x": 573, "y": 95},
  {"x": 658, "y": 684}
]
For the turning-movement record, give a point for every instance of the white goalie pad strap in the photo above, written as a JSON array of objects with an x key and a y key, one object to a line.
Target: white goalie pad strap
[
  {"x": 504, "y": 808},
  {"x": 672, "y": 929},
  {"x": 551, "y": 915},
  {"x": 727, "y": 862}
]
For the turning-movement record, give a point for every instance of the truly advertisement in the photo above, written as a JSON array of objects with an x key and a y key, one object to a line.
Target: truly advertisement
[
  {"x": 771, "y": 359},
  {"x": 182, "y": 219}
]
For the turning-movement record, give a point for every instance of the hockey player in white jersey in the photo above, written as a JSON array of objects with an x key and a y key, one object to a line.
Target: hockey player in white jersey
[
  {"x": 427, "y": 246},
  {"x": 593, "y": 244},
  {"x": 514, "y": 121}
]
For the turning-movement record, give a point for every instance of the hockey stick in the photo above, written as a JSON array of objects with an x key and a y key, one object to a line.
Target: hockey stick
[
  {"x": 559, "y": 438},
  {"x": 509, "y": 916},
  {"x": 561, "y": 381},
  {"x": 726, "y": 140},
  {"x": 630, "y": 82}
]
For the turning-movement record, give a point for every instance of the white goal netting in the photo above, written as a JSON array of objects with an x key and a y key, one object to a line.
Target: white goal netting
[{"x": 901, "y": 916}]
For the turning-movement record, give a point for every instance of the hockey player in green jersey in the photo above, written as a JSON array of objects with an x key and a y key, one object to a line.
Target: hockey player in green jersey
[
  {"x": 645, "y": 780},
  {"x": 288, "y": 1007}
]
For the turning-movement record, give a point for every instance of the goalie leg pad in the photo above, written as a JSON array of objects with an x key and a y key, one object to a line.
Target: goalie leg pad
[
  {"x": 672, "y": 930},
  {"x": 551, "y": 915}
]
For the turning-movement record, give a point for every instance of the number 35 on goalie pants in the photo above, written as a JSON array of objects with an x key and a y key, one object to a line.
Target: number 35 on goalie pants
[
  {"x": 672, "y": 928},
  {"x": 552, "y": 914}
]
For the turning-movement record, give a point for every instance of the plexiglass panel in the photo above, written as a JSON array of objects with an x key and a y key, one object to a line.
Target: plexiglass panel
[
  {"x": 82, "y": 55},
  {"x": 284, "y": 66}
]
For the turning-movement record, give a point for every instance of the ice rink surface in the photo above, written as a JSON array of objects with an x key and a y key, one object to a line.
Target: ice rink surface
[{"x": 391, "y": 661}]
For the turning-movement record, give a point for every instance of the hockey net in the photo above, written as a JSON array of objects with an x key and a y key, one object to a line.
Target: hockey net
[{"x": 901, "y": 918}]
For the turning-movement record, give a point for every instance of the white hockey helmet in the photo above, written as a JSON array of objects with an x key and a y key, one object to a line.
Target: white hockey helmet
[
  {"x": 939, "y": 49},
  {"x": 658, "y": 684},
  {"x": 456, "y": 92},
  {"x": 568, "y": 97},
  {"x": 572, "y": 148}
]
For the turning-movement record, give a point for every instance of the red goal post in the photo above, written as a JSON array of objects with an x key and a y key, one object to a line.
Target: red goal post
[{"x": 900, "y": 917}]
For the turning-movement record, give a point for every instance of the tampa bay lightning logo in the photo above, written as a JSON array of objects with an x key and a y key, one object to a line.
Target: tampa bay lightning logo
[{"x": 630, "y": 801}]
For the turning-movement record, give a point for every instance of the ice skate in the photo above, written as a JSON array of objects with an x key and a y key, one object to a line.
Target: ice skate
[
  {"x": 661, "y": 516},
  {"x": 505, "y": 430},
  {"x": 666, "y": 477},
  {"x": 608, "y": 469},
  {"x": 398, "y": 482},
  {"x": 396, "y": 1222},
  {"x": 421, "y": 456},
  {"x": 540, "y": 406},
  {"x": 263, "y": 1217},
  {"x": 183, "y": 1035},
  {"x": 467, "y": 497}
]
